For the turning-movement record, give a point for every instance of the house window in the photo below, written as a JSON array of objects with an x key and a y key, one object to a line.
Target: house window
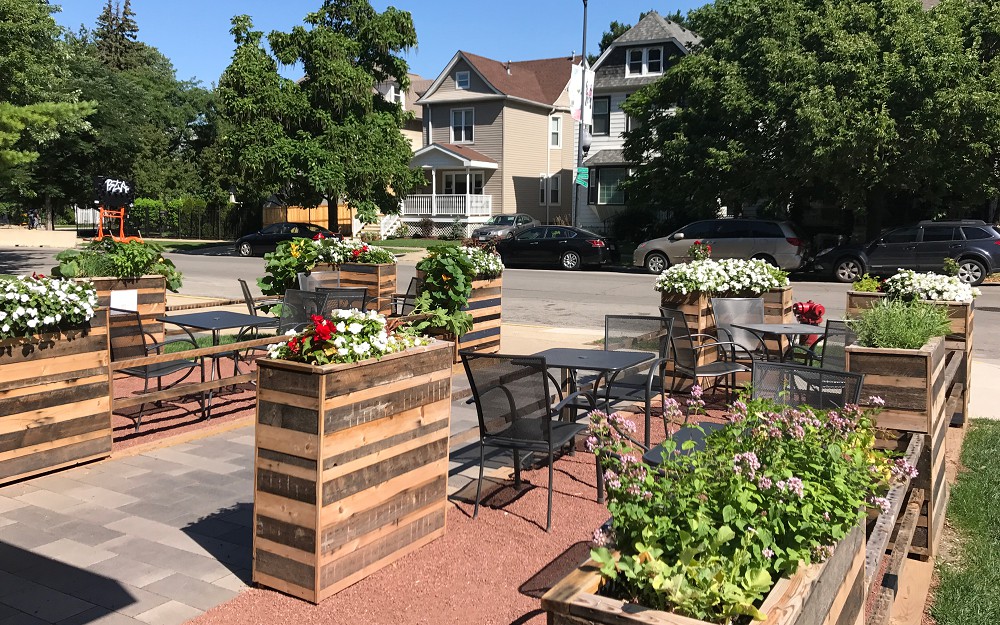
[
  {"x": 609, "y": 189},
  {"x": 541, "y": 189},
  {"x": 548, "y": 186},
  {"x": 555, "y": 131},
  {"x": 602, "y": 117},
  {"x": 461, "y": 80},
  {"x": 632, "y": 123},
  {"x": 455, "y": 183},
  {"x": 462, "y": 121},
  {"x": 644, "y": 61},
  {"x": 554, "y": 190}
]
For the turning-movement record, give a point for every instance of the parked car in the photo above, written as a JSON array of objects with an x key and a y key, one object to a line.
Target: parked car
[
  {"x": 502, "y": 226},
  {"x": 973, "y": 243},
  {"x": 268, "y": 238},
  {"x": 562, "y": 246},
  {"x": 773, "y": 241}
]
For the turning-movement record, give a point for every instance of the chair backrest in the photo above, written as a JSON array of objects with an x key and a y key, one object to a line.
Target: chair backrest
[
  {"x": 316, "y": 279},
  {"x": 344, "y": 298},
  {"x": 837, "y": 337},
  {"x": 730, "y": 310},
  {"x": 638, "y": 333},
  {"x": 125, "y": 334},
  {"x": 511, "y": 394},
  {"x": 247, "y": 297},
  {"x": 297, "y": 307},
  {"x": 681, "y": 343},
  {"x": 409, "y": 301},
  {"x": 797, "y": 385}
]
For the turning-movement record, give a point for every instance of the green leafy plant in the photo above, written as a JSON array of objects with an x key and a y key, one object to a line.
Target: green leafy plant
[
  {"x": 950, "y": 267},
  {"x": 896, "y": 324},
  {"x": 708, "y": 533},
  {"x": 448, "y": 275},
  {"x": 108, "y": 258},
  {"x": 348, "y": 336},
  {"x": 426, "y": 227},
  {"x": 867, "y": 284},
  {"x": 291, "y": 258}
]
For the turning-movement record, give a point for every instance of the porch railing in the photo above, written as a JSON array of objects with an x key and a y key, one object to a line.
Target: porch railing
[{"x": 440, "y": 204}]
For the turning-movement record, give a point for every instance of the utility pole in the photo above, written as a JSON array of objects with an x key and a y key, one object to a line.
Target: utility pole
[{"x": 575, "y": 216}]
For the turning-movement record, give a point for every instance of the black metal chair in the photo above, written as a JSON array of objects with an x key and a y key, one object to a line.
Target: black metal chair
[
  {"x": 128, "y": 340},
  {"x": 739, "y": 310},
  {"x": 404, "y": 303},
  {"x": 298, "y": 307},
  {"x": 344, "y": 298},
  {"x": 797, "y": 385},
  {"x": 518, "y": 410},
  {"x": 830, "y": 351},
  {"x": 255, "y": 307},
  {"x": 641, "y": 333},
  {"x": 691, "y": 361}
]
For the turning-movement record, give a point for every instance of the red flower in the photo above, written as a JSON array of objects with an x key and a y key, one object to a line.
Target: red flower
[
  {"x": 317, "y": 319},
  {"x": 697, "y": 242},
  {"x": 319, "y": 235},
  {"x": 37, "y": 276},
  {"x": 356, "y": 253},
  {"x": 293, "y": 345},
  {"x": 323, "y": 331}
]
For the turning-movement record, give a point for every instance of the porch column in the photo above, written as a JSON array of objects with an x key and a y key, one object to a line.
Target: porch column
[
  {"x": 434, "y": 191},
  {"x": 468, "y": 193}
]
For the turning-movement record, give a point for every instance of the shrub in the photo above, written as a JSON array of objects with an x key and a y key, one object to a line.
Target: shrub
[
  {"x": 950, "y": 267},
  {"x": 108, "y": 258},
  {"x": 426, "y": 227},
  {"x": 448, "y": 275},
  {"x": 867, "y": 284},
  {"x": 896, "y": 324}
]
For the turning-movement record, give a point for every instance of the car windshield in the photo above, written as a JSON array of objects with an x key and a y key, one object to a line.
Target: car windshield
[{"x": 501, "y": 220}]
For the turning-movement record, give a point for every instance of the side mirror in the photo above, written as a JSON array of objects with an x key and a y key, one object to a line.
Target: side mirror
[{"x": 677, "y": 236}]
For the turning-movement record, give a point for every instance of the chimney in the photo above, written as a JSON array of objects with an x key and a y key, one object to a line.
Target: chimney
[{"x": 508, "y": 67}]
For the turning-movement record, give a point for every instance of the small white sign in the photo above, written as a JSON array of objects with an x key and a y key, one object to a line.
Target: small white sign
[{"x": 127, "y": 299}]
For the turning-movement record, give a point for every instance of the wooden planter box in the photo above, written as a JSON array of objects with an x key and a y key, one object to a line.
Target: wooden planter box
[
  {"x": 697, "y": 308},
  {"x": 913, "y": 383},
  {"x": 485, "y": 307},
  {"x": 55, "y": 406},
  {"x": 351, "y": 467},
  {"x": 380, "y": 280},
  {"x": 830, "y": 592},
  {"x": 151, "y": 298},
  {"x": 962, "y": 316}
]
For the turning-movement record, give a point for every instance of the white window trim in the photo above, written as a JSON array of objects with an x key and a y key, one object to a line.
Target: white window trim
[
  {"x": 555, "y": 187},
  {"x": 471, "y": 112},
  {"x": 645, "y": 62},
  {"x": 543, "y": 191},
  {"x": 558, "y": 132},
  {"x": 461, "y": 77}
]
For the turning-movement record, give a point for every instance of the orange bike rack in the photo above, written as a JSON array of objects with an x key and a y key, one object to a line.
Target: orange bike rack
[{"x": 114, "y": 213}]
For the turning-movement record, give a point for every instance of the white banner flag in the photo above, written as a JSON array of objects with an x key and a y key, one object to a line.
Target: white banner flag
[{"x": 588, "y": 95}]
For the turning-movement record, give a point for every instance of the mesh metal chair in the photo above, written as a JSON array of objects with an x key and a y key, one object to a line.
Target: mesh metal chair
[
  {"x": 640, "y": 333},
  {"x": 514, "y": 402},
  {"x": 404, "y": 303},
  {"x": 829, "y": 352},
  {"x": 691, "y": 352},
  {"x": 255, "y": 307},
  {"x": 129, "y": 340},
  {"x": 297, "y": 307},
  {"x": 344, "y": 298},
  {"x": 796, "y": 385},
  {"x": 740, "y": 310}
]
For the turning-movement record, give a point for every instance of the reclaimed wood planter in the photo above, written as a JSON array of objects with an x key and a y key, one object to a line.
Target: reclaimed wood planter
[
  {"x": 913, "y": 383},
  {"x": 351, "y": 467},
  {"x": 831, "y": 592},
  {"x": 150, "y": 296},
  {"x": 485, "y": 306},
  {"x": 54, "y": 400},
  {"x": 962, "y": 316},
  {"x": 380, "y": 280},
  {"x": 697, "y": 308}
]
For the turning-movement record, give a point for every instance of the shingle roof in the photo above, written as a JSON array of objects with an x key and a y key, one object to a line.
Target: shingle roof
[
  {"x": 541, "y": 80},
  {"x": 466, "y": 153},
  {"x": 653, "y": 27},
  {"x": 605, "y": 157}
]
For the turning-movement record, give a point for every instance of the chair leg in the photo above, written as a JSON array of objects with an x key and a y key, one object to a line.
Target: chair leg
[
  {"x": 517, "y": 469},
  {"x": 138, "y": 419},
  {"x": 600, "y": 481},
  {"x": 479, "y": 485},
  {"x": 548, "y": 516}
]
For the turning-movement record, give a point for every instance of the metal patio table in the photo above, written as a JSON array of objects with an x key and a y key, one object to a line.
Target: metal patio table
[
  {"x": 606, "y": 363},
  {"x": 780, "y": 330}
]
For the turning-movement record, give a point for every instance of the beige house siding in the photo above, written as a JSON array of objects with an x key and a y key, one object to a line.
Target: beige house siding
[
  {"x": 447, "y": 90},
  {"x": 525, "y": 158},
  {"x": 487, "y": 137}
]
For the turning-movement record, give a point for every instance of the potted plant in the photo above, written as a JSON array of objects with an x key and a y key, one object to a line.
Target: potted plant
[
  {"x": 351, "y": 458},
  {"x": 764, "y": 523},
  {"x": 359, "y": 264},
  {"x": 900, "y": 350},
  {"x": 53, "y": 376},
  {"x": 485, "y": 302},
  {"x": 448, "y": 274},
  {"x": 136, "y": 272}
]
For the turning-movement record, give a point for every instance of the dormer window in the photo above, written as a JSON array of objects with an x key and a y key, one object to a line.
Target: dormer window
[
  {"x": 644, "y": 62},
  {"x": 461, "y": 80}
]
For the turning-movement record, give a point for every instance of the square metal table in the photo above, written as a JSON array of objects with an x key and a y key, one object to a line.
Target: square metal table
[
  {"x": 606, "y": 363},
  {"x": 780, "y": 330}
]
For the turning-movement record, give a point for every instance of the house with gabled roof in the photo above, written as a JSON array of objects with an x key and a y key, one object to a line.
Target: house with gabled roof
[
  {"x": 497, "y": 139},
  {"x": 637, "y": 58}
]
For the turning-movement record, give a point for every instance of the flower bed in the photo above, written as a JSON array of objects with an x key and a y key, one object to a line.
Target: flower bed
[
  {"x": 729, "y": 277},
  {"x": 291, "y": 258}
]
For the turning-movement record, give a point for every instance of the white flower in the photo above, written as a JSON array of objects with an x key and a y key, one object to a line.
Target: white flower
[
  {"x": 343, "y": 351},
  {"x": 354, "y": 328},
  {"x": 341, "y": 327}
]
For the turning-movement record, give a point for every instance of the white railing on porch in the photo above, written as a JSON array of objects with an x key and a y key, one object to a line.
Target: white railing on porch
[{"x": 440, "y": 204}]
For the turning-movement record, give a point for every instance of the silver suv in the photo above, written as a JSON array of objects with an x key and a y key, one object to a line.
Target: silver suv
[{"x": 773, "y": 241}]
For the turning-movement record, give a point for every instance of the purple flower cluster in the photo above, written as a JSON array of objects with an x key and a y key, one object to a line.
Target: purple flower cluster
[
  {"x": 901, "y": 469},
  {"x": 792, "y": 485},
  {"x": 747, "y": 460},
  {"x": 879, "y": 502},
  {"x": 601, "y": 538},
  {"x": 877, "y": 401}
]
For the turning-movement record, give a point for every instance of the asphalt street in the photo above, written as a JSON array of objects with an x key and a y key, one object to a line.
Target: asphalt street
[{"x": 531, "y": 296}]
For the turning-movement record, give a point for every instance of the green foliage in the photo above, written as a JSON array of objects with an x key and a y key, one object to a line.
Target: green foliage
[
  {"x": 867, "y": 284},
  {"x": 636, "y": 224},
  {"x": 116, "y": 36},
  {"x": 107, "y": 258},
  {"x": 328, "y": 135},
  {"x": 448, "y": 275},
  {"x": 896, "y": 324},
  {"x": 285, "y": 263},
  {"x": 949, "y": 267},
  {"x": 708, "y": 533}
]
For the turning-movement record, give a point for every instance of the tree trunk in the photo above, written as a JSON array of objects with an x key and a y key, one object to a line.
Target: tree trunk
[{"x": 49, "y": 217}]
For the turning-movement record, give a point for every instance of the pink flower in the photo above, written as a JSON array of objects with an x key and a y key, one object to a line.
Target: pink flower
[
  {"x": 875, "y": 400},
  {"x": 767, "y": 553}
]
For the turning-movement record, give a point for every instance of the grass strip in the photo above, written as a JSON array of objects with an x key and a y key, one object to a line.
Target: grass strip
[{"x": 970, "y": 579}]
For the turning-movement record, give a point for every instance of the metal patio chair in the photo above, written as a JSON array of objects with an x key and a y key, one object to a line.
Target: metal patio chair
[
  {"x": 830, "y": 351},
  {"x": 690, "y": 356},
  {"x": 298, "y": 307},
  {"x": 739, "y": 310},
  {"x": 797, "y": 385},
  {"x": 344, "y": 298}
]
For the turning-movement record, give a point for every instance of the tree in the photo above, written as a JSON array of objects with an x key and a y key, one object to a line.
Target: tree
[
  {"x": 328, "y": 135},
  {"x": 854, "y": 103},
  {"x": 117, "y": 35}
]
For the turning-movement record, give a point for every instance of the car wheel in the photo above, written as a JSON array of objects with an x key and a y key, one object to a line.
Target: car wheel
[
  {"x": 246, "y": 249},
  {"x": 571, "y": 261},
  {"x": 656, "y": 263},
  {"x": 971, "y": 271},
  {"x": 767, "y": 259},
  {"x": 848, "y": 270}
]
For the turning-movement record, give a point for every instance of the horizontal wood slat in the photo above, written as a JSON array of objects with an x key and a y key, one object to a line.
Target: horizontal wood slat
[{"x": 379, "y": 280}]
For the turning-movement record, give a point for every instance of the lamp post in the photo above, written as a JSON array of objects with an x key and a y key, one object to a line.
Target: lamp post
[{"x": 574, "y": 218}]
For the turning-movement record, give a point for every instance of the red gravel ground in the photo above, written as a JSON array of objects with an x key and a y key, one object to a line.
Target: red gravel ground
[{"x": 491, "y": 570}]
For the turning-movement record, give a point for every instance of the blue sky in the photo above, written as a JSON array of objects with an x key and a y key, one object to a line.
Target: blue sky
[{"x": 195, "y": 34}]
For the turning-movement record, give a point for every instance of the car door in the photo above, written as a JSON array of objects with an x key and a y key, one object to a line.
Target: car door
[
  {"x": 732, "y": 239},
  {"x": 558, "y": 240},
  {"x": 525, "y": 247},
  {"x": 897, "y": 249},
  {"x": 268, "y": 238},
  {"x": 937, "y": 243},
  {"x": 677, "y": 250}
]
